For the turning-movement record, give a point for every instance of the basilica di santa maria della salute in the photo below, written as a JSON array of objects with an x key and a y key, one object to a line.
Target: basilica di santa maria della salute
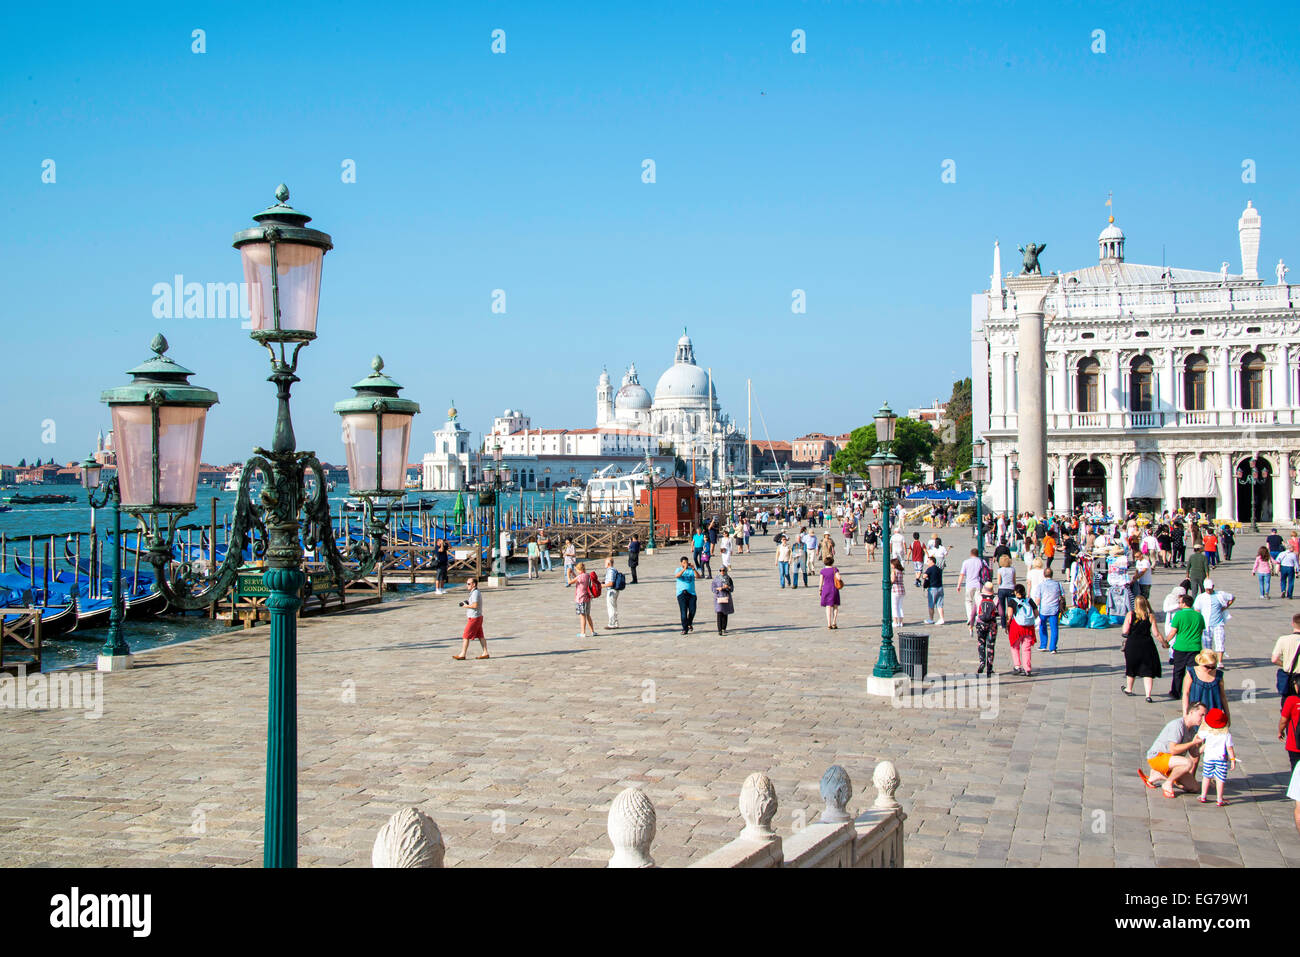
[{"x": 681, "y": 420}]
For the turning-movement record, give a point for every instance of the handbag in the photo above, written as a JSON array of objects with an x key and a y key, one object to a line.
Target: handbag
[
  {"x": 839, "y": 582},
  {"x": 1284, "y": 677}
]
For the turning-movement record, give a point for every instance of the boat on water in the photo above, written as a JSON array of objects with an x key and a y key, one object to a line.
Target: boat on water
[
  {"x": 47, "y": 498},
  {"x": 232, "y": 482},
  {"x": 407, "y": 504},
  {"x": 610, "y": 490}
]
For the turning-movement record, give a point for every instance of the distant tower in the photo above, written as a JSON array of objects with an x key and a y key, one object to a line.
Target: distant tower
[
  {"x": 1248, "y": 234},
  {"x": 996, "y": 288},
  {"x": 604, "y": 400},
  {"x": 1110, "y": 244}
]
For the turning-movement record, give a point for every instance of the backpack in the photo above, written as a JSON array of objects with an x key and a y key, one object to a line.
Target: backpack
[
  {"x": 620, "y": 580},
  {"x": 1026, "y": 613},
  {"x": 985, "y": 573},
  {"x": 987, "y": 614},
  {"x": 593, "y": 585}
]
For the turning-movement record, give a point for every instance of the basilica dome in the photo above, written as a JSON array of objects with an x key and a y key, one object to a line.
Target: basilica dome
[
  {"x": 632, "y": 395},
  {"x": 684, "y": 384}
]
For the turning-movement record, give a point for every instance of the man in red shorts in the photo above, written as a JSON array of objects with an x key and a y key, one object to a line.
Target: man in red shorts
[{"x": 473, "y": 606}]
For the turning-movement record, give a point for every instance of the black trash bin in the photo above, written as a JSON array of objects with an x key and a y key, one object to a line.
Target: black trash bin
[{"x": 914, "y": 655}]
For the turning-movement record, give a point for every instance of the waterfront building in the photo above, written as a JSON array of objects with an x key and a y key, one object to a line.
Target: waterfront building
[
  {"x": 682, "y": 420},
  {"x": 813, "y": 449},
  {"x": 448, "y": 467},
  {"x": 1166, "y": 387}
]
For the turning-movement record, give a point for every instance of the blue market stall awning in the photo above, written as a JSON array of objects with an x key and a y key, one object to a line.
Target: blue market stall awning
[{"x": 939, "y": 495}]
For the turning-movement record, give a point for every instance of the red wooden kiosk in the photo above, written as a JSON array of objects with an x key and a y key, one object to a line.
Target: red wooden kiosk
[{"x": 677, "y": 506}]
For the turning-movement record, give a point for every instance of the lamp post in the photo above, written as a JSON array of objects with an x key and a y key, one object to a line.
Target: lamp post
[
  {"x": 497, "y": 537},
  {"x": 158, "y": 420},
  {"x": 115, "y": 654},
  {"x": 1015, "y": 494},
  {"x": 826, "y": 486},
  {"x": 979, "y": 472},
  {"x": 650, "y": 478},
  {"x": 1253, "y": 474},
  {"x": 731, "y": 493},
  {"x": 885, "y": 471}
]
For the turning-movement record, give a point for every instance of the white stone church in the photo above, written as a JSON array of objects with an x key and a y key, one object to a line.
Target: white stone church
[{"x": 1166, "y": 387}]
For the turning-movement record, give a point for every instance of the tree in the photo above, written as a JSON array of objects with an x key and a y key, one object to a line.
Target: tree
[
  {"x": 22, "y": 463},
  {"x": 914, "y": 442},
  {"x": 852, "y": 459},
  {"x": 953, "y": 453}
]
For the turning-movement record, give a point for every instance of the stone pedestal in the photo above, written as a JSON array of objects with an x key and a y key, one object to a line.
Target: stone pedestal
[
  {"x": 113, "y": 662},
  {"x": 1028, "y": 293},
  {"x": 888, "y": 687},
  {"x": 497, "y": 581}
]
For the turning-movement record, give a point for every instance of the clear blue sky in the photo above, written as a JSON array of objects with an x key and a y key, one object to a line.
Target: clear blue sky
[{"x": 522, "y": 172}]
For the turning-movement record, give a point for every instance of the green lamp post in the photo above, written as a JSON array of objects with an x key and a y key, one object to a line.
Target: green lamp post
[
  {"x": 115, "y": 654},
  {"x": 826, "y": 481},
  {"x": 496, "y": 539},
  {"x": 979, "y": 472},
  {"x": 158, "y": 422},
  {"x": 1015, "y": 497},
  {"x": 650, "y": 479},
  {"x": 885, "y": 471}
]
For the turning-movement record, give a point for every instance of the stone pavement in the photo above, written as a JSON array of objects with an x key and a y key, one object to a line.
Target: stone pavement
[{"x": 518, "y": 757}]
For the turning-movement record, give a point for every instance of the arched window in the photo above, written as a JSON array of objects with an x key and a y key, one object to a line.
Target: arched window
[
  {"x": 1195, "y": 371},
  {"x": 1089, "y": 380},
  {"x": 1141, "y": 385},
  {"x": 1252, "y": 381}
]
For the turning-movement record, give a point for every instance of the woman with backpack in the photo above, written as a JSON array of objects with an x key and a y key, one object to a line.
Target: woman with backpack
[
  {"x": 723, "y": 602},
  {"x": 1141, "y": 631},
  {"x": 585, "y": 587},
  {"x": 1022, "y": 630},
  {"x": 984, "y": 619}
]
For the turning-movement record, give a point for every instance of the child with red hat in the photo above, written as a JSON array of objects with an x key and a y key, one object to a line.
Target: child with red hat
[{"x": 1216, "y": 753}]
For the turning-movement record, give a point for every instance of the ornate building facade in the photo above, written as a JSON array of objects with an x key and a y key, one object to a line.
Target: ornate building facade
[
  {"x": 448, "y": 466},
  {"x": 1166, "y": 388}
]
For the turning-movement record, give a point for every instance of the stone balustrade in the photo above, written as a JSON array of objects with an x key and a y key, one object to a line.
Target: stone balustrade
[{"x": 874, "y": 838}]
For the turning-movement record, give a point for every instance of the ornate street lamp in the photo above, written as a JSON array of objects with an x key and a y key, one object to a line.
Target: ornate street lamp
[
  {"x": 158, "y": 421},
  {"x": 885, "y": 472},
  {"x": 1015, "y": 492},
  {"x": 115, "y": 654},
  {"x": 980, "y": 473},
  {"x": 1253, "y": 474},
  {"x": 497, "y": 538},
  {"x": 650, "y": 479}
]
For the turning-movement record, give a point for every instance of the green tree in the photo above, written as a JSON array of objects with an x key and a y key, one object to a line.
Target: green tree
[
  {"x": 914, "y": 442},
  {"x": 852, "y": 459},
  {"x": 953, "y": 452},
  {"x": 22, "y": 463}
]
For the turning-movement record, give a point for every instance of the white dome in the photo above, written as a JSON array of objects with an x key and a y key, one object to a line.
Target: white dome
[
  {"x": 633, "y": 397},
  {"x": 1111, "y": 232},
  {"x": 682, "y": 381},
  {"x": 604, "y": 378}
]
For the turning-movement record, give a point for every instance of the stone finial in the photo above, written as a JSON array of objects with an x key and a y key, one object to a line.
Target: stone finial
[
  {"x": 886, "y": 781},
  {"x": 631, "y": 829},
  {"x": 758, "y": 807},
  {"x": 836, "y": 790},
  {"x": 410, "y": 838}
]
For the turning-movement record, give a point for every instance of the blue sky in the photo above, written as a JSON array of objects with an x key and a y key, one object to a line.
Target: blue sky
[{"x": 521, "y": 171}]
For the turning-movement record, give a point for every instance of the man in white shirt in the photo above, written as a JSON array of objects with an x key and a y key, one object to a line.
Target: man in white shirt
[
  {"x": 969, "y": 577},
  {"x": 896, "y": 544},
  {"x": 611, "y": 593},
  {"x": 1213, "y": 606},
  {"x": 473, "y": 605}
]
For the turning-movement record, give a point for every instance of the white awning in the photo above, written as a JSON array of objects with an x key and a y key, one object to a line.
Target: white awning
[
  {"x": 1144, "y": 479},
  {"x": 1199, "y": 479}
]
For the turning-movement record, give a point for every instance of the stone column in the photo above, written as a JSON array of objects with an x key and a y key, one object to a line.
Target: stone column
[
  {"x": 1227, "y": 487},
  {"x": 1029, "y": 293},
  {"x": 1062, "y": 485},
  {"x": 1171, "y": 481},
  {"x": 1281, "y": 487},
  {"x": 1114, "y": 486}
]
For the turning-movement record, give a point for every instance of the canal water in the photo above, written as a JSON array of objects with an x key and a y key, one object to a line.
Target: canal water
[{"x": 81, "y": 647}]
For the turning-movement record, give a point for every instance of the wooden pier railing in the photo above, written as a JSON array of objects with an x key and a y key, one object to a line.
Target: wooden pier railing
[{"x": 22, "y": 627}]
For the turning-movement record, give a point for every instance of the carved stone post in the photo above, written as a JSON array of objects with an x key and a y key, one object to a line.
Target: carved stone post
[
  {"x": 1031, "y": 380},
  {"x": 631, "y": 829},
  {"x": 410, "y": 838},
  {"x": 836, "y": 789}
]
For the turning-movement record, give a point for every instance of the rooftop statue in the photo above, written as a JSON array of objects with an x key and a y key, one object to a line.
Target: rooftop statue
[{"x": 1031, "y": 259}]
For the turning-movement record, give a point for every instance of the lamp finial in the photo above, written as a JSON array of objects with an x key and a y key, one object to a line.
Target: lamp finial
[
  {"x": 282, "y": 193},
  {"x": 159, "y": 344}
]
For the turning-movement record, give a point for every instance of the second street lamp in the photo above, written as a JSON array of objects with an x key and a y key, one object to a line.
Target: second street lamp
[
  {"x": 979, "y": 472},
  {"x": 115, "y": 654},
  {"x": 650, "y": 480},
  {"x": 885, "y": 471},
  {"x": 1015, "y": 493}
]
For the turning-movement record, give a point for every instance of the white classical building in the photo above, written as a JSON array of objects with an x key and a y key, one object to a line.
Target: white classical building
[
  {"x": 683, "y": 418},
  {"x": 1166, "y": 387},
  {"x": 448, "y": 466}
]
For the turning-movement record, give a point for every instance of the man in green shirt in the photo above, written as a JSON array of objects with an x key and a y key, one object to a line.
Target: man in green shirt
[
  {"x": 1185, "y": 628},
  {"x": 1198, "y": 568}
]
